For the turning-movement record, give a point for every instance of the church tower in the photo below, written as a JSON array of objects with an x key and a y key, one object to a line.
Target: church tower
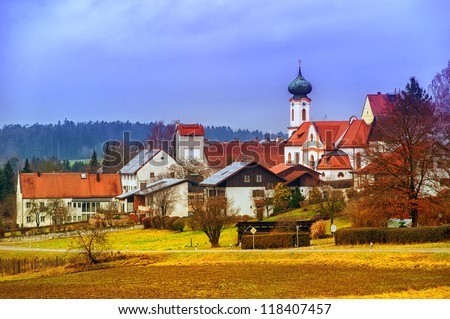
[{"x": 299, "y": 102}]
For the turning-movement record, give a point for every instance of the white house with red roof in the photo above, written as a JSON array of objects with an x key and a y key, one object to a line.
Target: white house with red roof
[
  {"x": 332, "y": 148},
  {"x": 82, "y": 193},
  {"x": 189, "y": 142}
]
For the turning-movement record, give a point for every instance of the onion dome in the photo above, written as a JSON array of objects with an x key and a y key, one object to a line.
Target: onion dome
[{"x": 299, "y": 87}]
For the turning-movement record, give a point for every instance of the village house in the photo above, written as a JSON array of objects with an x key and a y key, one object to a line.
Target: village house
[
  {"x": 244, "y": 184},
  {"x": 296, "y": 175},
  {"x": 82, "y": 193},
  {"x": 171, "y": 193},
  {"x": 146, "y": 167}
]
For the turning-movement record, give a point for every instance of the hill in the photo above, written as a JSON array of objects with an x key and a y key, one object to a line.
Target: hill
[{"x": 69, "y": 140}]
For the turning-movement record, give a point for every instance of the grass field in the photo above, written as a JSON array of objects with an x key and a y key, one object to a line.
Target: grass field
[
  {"x": 225, "y": 273},
  {"x": 244, "y": 275}
]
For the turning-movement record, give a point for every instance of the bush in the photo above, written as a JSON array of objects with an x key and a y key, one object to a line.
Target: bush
[
  {"x": 275, "y": 240},
  {"x": 318, "y": 229},
  {"x": 156, "y": 222},
  {"x": 366, "y": 235},
  {"x": 179, "y": 224},
  {"x": 146, "y": 222}
]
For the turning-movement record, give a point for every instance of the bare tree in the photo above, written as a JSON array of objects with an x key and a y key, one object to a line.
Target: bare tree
[
  {"x": 36, "y": 211},
  {"x": 403, "y": 163},
  {"x": 164, "y": 201},
  {"x": 90, "y": 242},
  {"x": 57, "y": 211},
  {"x": 212, "y": 216},
  {"x": 329, "y": 201},
  {"x": 188, "y": 169},
  {"x": 161, "y": 135}
]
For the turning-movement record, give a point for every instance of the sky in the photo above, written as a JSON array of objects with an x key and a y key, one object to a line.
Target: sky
[{"x": 210, "y": 61}]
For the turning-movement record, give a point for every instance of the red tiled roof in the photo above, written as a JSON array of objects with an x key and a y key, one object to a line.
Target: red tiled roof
[
  {"x": 221, "y": 154},
  {"x": 356, "y": 135},
  {"x": 379, "y": 102},
  {"x": 334, "y": 160},
  {"x": 69, "y": 185},
  {"x": 190, "y": 129},
  {"x": 301, "y": 135},
  {"x": 336, "y": 129}
]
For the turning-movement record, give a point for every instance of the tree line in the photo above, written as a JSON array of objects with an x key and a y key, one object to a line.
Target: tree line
[{"x": 68, "y": 140}]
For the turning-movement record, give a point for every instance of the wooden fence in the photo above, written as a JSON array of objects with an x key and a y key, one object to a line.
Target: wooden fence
[{"x": 16, "y": 266}]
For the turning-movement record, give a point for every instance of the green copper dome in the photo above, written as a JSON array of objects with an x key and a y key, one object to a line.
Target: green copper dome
[{"x": 299, "y": 87}]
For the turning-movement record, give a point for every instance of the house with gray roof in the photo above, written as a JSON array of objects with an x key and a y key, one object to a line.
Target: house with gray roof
[{"x": 245, "y": 184}]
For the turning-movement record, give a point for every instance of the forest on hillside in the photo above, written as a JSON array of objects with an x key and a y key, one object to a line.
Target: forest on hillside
[{"x": 70, "y": 141}]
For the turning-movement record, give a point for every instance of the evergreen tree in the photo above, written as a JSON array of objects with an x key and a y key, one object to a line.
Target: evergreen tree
[
  {"x": 7, "y": 180},
  {"x": 27, "y": 167},
  {"x": 94, "y": 162},
  {"x": 296, "y": 198},
  {"x": 414, "y": 88}
]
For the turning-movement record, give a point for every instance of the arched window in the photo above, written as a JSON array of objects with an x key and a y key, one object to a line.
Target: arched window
[
  {"x": 292, "y": 115},
  {"x": 358, "y": 160},
  {"x": 341, "y": 174},
  {"x": 311, "y": 162},
  {"x": 304, "y": 115},
  {"x": 297, "y": 158},
  {"x": 289, "y": 158},
  {"x": 311, "y": 137}
]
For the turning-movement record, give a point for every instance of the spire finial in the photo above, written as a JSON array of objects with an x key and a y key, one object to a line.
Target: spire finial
[{"x": 299, "y": 63}]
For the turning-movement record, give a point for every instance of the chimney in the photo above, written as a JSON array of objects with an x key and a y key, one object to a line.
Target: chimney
[
  {"x": 98, "y": 177},
  {"x": 39, "y": 174},
  {"x": 378, "y": 92},
  {"x": 142, "y": 186}
]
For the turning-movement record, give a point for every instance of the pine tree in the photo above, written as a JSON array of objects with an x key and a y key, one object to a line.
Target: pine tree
[
  {"x": 27, "y": 167},
  {"x": 8, "y": 179},
  {"x": 414, "y": 88},
  {"x": 94, "y": 162},
  {"x": 296, "y": 198}
]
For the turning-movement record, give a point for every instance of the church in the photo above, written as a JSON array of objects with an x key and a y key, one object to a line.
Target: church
[{"x": 332, "y": 148}]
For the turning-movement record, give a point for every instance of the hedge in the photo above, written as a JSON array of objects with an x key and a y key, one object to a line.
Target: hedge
[
  {"x": 275, "y": 240},
  {"x": 367, "y": 235}
]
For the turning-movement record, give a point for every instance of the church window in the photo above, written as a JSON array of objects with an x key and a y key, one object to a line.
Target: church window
[
  {"x": 297, "y": 158},
  {"x": 358, "y": 160},
  {"x": 292, "y": 115},
  {"x": 311, "y": 161},
  {"x": 304, "y": 115},
  {"x": 289, "y": 158},
  {"x": 311, "y": 138}
]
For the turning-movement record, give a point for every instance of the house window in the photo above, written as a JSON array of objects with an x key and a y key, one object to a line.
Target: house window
[
  {"x": 42, "y": 205},
  {"x": 172, "y": 174},
  {"x": 42, "y": 219},
  {"x": 258, "y": 193},
  {"x": 269, "y": 186},
  {"x": 69, "y": 218},
  {"x": 28, "y": 219},
  {"x": 246, "y": 178},
  {"x": 259, "y": 178},
  {"x": 152, "y": 175},
  {"x": 341, "y": 174},
  {"x": 28, "y": 205}
]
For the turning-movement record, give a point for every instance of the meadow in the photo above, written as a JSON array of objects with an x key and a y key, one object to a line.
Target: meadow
[{"x": 165, "y": 265}]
